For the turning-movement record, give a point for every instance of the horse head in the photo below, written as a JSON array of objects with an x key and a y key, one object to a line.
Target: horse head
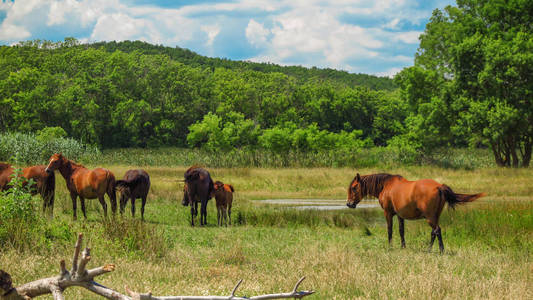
[
  {"x": 354, "y": 192},
  {"x": 56, "y": 160}
]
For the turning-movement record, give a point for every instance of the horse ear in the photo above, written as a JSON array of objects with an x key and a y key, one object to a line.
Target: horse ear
[{"x": 358, "y": 177}]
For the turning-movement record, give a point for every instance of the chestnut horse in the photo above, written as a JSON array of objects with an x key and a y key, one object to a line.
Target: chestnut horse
[
  {"x": 198, "y": 187},
  {"x": 409, "y": 200},
  {"x": 85, "y": 183},
  {"x": 44, "y": 183},
  {"x": 224, "y": 200}
]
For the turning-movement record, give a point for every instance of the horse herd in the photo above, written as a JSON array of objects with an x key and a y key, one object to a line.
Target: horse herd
[{"x": 421, "y": 199}]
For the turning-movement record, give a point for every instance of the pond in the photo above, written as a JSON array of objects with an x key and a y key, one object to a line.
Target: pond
[{"x": 319, "y": 204}]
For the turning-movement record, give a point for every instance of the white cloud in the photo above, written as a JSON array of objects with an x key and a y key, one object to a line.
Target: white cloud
[
  {"x": 212, "y": 31},
  {"x": 256, "y": 33},
  {"x": 410, "y": 37},
  {"x": 11, "y": 32},
  {"x": 303, "y": 32},
  {"x": 389, "y": 73}
]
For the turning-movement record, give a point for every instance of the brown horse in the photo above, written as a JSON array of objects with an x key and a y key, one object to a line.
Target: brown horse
[
  {"x": 44, "y": 183},
  {"x": 85, "y": 183},
  {"x": 409, "y": 200},
  {"x": 198, "y": 188},
  {"x": 135, "y": 184},
  {"x": 224, "y": 199}
]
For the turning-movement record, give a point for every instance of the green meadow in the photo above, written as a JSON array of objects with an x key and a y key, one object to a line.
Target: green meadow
[{"x": 343, "y": 253}]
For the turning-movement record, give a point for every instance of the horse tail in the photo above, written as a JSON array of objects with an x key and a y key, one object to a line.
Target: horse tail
[
  {"x": 453, "y": 198},
  {"x": 49, "y": 190},
  {"x": 231, "y": 188},
  {"x": 112, "y": 190},
  {"x": 211, "y": 189}
]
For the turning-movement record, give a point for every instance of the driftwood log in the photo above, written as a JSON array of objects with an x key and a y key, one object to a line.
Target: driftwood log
[{"x": 82, "y": 277}]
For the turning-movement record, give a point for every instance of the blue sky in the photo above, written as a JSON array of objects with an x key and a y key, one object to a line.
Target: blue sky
[{"x": 360, "y": 36}]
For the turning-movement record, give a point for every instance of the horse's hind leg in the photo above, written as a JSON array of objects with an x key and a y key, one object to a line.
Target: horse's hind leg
[
  {"x": 225, "y": 215},
  {"x": 439, "y": 235},
  {"x": 104, "y": 205},
  {"x": 389, "y": 216},
  {"x": 401, "y": 226},
  {"x": 433, "y": 234},
  {"x": 82, "y": 201},
  {"x": 219, "y": 221},
  {"x": 112, "y": 198},
  {"x": 229, "y": 214},
  {"x": 142, "y": 207}
]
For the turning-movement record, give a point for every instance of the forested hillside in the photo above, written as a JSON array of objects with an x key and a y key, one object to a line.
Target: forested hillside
[
  {"x": 301, "y": 74},
  {"x": 471, "y": 86},
  {"x": 122, "y": 99}
]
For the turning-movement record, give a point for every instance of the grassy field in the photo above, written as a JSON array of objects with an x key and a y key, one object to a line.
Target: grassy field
[{"x": 344, "y": 254}]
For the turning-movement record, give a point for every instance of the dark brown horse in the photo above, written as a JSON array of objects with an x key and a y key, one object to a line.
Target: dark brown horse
[
  {"x": 135, "y": 184},
  {"x": 85, "y": 183},
  {"x": 198, "y": 188},
  {"x": 409, "y": 200},
  {"x": 44, "y": 183},
  {"x": 224, "y": 199}
]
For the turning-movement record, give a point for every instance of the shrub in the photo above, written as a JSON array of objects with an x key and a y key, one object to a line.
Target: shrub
[
  {"x": 17, "y": 213},
  {"x": 36, "y": 149}
]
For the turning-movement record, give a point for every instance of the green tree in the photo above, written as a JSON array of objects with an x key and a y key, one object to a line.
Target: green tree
[{"x": 483, "y": 51}]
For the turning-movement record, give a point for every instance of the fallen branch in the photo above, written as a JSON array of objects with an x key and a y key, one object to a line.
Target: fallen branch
[{"x": 80, "y": 276}]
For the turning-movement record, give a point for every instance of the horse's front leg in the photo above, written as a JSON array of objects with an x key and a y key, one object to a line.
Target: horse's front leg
[
  {"x": 203, "y": 212},
  {"x": 388, "y": 217},
  {"x": 132, "y": 206},
  {"x": 73, "y": 196}
]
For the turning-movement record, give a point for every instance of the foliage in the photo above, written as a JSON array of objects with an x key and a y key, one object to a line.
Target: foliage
[
  {"x": 37, "y": 149},
  {"x": 472, "y": 82},
  {"x": 17, "y": 213},
  {"x": 133, "y": 94}
]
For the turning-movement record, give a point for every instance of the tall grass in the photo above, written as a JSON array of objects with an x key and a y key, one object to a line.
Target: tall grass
[
  {"x": 363, "y": 158},
  {"x": 31, "y": 150},
  {"x": 344, "y": 254}
]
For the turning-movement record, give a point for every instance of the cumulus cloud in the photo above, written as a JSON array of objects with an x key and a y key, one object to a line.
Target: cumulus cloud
[
  {"x": 371, "y": 36},
  {"x": 256, "y": 33},
  {"x": 212, "y": 31}
]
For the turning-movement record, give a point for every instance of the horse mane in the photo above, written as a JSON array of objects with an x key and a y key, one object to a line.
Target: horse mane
[
  {"x": 75, "y": 164},
  {"x": 373, "y": 184}
]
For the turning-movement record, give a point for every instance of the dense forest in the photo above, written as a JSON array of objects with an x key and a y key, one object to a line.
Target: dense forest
[{"x": 471, "y": 85}]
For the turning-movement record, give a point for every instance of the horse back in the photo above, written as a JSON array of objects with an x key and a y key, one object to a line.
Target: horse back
[
  {"x": 90, "y": 183},
  {"x": 413, "y": 199},
  {"x": 139, "y": 180}
]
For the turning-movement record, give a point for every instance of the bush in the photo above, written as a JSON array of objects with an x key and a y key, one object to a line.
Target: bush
[
  {"x": 35, "y": 149},
  {"x": 17, "y": 213},
  {"x": 50, "y": 133}
]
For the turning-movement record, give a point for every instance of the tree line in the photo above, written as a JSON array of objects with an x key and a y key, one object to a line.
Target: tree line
[{"x": 471, "y": 86}]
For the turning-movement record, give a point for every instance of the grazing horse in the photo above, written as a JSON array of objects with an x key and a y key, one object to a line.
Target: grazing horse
[
  {"x": 136, "y": 184},
  {"x": 224, "y": 200},
  {"x": 44, "y": 183},
  {"x": 198, "y": 187},
  {"x": 409, "y": 200},
  {"x": 85, "y": 183}
]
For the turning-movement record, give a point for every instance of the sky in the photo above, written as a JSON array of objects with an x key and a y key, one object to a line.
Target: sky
[{"x": 359, "y": 36}]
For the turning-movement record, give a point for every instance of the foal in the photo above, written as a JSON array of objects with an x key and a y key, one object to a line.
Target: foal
[{"x": 224, "y": 198}]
